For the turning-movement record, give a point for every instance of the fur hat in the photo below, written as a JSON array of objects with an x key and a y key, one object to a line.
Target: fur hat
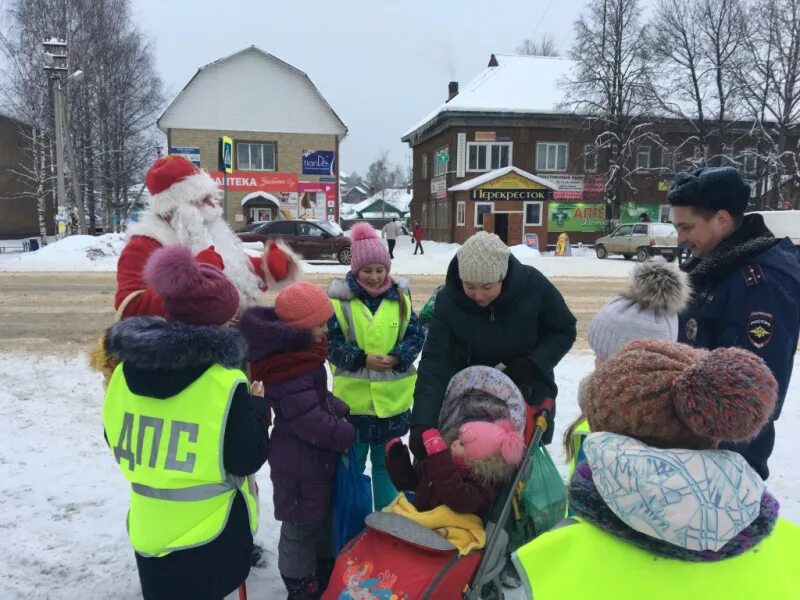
[
  {"x": 715, "y": 188},
  {"x": 670, "y": 395},
  {"x": 303, "y": 305},
  {"x": 367, "y": 249},
  {"x": 483, "y": 259},
  {"x": 173, "y": 181},
  {"x": 648, "y": 309},
  {"x": 192, "y": 292},
  {"x": 485, "y": 439}
]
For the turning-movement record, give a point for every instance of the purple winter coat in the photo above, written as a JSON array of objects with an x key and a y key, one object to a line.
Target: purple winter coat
[{"x": 308, "y": 429}]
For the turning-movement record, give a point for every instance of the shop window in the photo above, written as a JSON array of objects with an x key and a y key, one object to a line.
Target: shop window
[
  {"x": 643, "y": 157},
  {"x": 440, "y": 166},
  {"x": 551, "y": 156},
  {"x": 486, "y": 156},
  {"x": 424, "y": 167},
  {"x": 533, "y": 214},
  {"x": 461, "y": 214},
  {"x": 590, "y": 158},
  {"x": 255, "y": 156},
  {"x": 482, "y": 208}
]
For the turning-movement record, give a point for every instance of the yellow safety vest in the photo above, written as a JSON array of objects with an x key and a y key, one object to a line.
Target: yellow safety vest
[
  {"x": 368, "y": 392},
  {"x": 581, "y": 560},
  {"x": 580, "y": 433},
  {"x": 170, "y": 450}
]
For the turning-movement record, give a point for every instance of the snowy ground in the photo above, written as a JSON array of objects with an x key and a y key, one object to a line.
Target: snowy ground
[
  {"x": 63, "y": 502},
  {"x": 87, "y": 253}
]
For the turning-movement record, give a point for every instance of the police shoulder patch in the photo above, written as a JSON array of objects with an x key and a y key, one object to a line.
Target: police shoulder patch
[
  {"x": 753, "y": 275},
  {"x": 759, "y": 328}
]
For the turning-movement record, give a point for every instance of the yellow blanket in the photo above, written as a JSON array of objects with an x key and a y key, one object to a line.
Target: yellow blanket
[{"x": 464, "y": 531}]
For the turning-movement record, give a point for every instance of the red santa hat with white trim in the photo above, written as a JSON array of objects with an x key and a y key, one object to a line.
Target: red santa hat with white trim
[{"x": 173, "y": 181}]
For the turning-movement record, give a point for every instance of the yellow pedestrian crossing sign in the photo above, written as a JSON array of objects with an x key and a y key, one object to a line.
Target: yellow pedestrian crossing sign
[{"x": 226, "y": 154}]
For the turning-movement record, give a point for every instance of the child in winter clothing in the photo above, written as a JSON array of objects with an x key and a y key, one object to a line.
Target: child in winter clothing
[
  {"x": 186, "y": 432},
  {"x": 464, "y": 477},
  {"x": 375, "y": 338},
  {"x": 426, "y": 314},
  {"x": 648, "y": 309},
  {"x": 287, "y": 350}
]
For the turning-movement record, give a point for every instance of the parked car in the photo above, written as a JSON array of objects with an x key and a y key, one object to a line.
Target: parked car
[
  {"x": 641, "y": 240},
  {"x": 309, "y": 239}
]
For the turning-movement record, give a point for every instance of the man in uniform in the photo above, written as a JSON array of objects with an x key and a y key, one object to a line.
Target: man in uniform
[{"x": 746, "y": 283}]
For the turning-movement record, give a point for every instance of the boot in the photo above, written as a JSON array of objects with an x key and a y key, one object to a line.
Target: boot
[
  {"x": 324, "y": 571},
  {"x": 306, "y": 588}
]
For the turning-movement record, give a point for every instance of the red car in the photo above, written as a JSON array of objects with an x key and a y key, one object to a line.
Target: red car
[{"x": 309, "y": 239}]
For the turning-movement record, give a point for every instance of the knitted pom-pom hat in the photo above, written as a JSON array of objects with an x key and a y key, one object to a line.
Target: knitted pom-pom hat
[
  {"x": 366, "y": 248},
  {"x": 303, "y": 305}
]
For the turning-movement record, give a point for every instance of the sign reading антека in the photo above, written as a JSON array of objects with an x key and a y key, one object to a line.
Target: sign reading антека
[
  {"x": 318, "y": 162},
  {"x": 190, "y": 153}
]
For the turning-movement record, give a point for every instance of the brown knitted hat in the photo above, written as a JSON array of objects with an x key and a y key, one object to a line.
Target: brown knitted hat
[{"x": 670, "y": 395}]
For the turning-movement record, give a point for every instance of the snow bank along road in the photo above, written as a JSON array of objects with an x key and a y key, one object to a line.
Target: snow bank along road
[{"x": 66, "y": 312}]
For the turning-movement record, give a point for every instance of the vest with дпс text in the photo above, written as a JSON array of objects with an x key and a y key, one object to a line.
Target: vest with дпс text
[{"x": 171, "y": 452}]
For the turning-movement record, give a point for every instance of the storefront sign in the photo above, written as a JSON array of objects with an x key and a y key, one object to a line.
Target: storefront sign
[
  {"x": 438, "y": 184},
  {"x": 190, "y": 153},
  {"x": 485, "y": 136},
  {"x": 318, "y": 162},
  {"x": 570, "y": 187},
  {"x": 331, "y": 203},
  {"x": 461, "y": 155},
  {"x": 631, "y": 212},
  {"x": 580, "y": 216},
  {"x": 594, "y": 184},
  {"x": 562, "y": 246},
  {"x": 532, "y": 240},
  {"x": 440, "y": 195},
  {"x": 663, "y": 186},
  {"x": 255, "y": 181},
  {"x": 497, "y": 194},
  {"x": 238, "y": 216}
]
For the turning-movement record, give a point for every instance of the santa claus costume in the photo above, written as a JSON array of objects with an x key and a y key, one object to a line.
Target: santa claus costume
[{"x": 184, "y": 210}]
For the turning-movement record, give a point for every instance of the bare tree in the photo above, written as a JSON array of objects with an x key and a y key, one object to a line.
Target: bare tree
[
  {"x": 382, "y": 174},
  {"x": 611, "y": 85},
  {"x": 544, "y": 46}
]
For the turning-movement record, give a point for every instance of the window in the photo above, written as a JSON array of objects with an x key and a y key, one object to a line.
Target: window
[
  {"x": 623, "y": 231},
  {"x": 255, "y": 157},
  {"x": 668, "y": 158},
  {"x": 443, "y": 214},
  {"x": 551, "y": 156},
  {"x": 590, "y": 158},
  {"x": 640, "y": 230},
  {"x": 440, "y": 166},
  {"x": 461, "y": 213},
  {"x": 309, "y": 229},
  {"x": 281, "y": 228},
  {"x": 749, "y": 162},
  {"x": 424, "y": 166},
  {"x": 482, "y": 208},
  {"x": 533, "y": 213},
  {"x": 485, "y": 156},
  {"x": 643, "y": 157}
]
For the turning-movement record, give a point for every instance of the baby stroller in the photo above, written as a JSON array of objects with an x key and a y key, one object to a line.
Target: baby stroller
[{"x": 395, "y": 558}]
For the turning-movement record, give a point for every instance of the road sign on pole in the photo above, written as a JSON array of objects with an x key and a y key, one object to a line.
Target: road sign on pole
[{"x": 225, "y": 163}]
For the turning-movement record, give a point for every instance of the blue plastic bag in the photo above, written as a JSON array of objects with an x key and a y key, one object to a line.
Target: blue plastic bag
[{"x": 352, "y": 501}]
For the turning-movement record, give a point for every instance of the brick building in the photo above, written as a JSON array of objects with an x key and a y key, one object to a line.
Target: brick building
[
  {"x": 285, "y": 136},
  {"x": 499, "y": 155}
]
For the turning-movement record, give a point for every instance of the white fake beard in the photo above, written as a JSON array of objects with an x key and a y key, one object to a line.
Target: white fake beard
[{"x": 199, "y": 227}]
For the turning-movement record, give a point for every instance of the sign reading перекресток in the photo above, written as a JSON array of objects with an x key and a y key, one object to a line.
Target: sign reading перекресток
[
  {"x": 318, "y": 162},
  {"x": 493, "y": 194}
]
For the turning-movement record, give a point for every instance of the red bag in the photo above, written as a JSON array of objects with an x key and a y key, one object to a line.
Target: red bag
[{"x": 394, "y": 559}]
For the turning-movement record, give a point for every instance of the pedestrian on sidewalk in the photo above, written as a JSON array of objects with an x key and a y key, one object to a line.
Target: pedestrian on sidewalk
[
  {"x": 419, "y": 234},
  {"x": 390, "y": 232}
]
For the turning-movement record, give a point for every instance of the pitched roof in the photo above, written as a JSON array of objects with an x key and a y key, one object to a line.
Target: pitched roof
[
  {"x": 511, "y": 83},
  {"x": 491, "y": 175}
]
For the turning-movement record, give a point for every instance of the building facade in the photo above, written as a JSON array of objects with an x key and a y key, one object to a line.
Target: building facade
[
  {"x": 506, "y": 132},
  {"x": 285, "y": 137}
]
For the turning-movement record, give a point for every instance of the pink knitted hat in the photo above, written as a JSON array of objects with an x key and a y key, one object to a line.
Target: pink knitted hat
[
  {"x": 484, "y": 439},
  {"x": 303, "y": 305},
  {"x": 367, "y": 249},
  {"x": 193, "y": 293}
]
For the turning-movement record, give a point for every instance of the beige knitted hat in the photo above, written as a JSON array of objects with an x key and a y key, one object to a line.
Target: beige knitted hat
[{"x": 483, "y": 259}]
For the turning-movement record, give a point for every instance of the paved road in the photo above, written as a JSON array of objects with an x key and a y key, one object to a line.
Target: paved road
[{"x": 67, "y": 312}]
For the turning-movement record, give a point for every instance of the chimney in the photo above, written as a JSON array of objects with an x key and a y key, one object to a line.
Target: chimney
[{"x": 452, "y": 90}]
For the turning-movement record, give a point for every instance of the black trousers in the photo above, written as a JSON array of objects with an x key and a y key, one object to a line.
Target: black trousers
[
  {"x": 391, "y": 244},
  {"x": 418, "y": 247}
]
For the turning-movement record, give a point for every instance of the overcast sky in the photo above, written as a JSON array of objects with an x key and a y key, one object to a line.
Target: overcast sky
[{"x": 381, "y": 65}]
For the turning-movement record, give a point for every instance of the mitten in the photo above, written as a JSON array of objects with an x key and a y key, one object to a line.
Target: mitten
[
  {"x": 394, "y": 448},
  {"x": 277, "y": 264},
  {"x": 433, "y": 442},
  {"x": 415, "y": 441},
  {"x": 210, "y": 256}
]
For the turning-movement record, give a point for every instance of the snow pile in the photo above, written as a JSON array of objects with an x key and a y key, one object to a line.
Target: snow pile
[
  {"x": 73, "y": 253},
  {"x": 64, "y": 501}
]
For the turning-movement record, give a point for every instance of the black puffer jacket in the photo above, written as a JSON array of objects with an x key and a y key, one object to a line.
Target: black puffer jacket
[
  {"x": 529, "y": 328},
  {"x": 160, "y": 359}
]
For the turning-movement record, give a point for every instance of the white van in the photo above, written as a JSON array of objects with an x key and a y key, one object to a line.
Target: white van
[{"x": 783, "y": 223}]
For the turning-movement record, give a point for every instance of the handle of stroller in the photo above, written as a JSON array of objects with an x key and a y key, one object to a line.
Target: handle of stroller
[{"x": 543, "y": 411}]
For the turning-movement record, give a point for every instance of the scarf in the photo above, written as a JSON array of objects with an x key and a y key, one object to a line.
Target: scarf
[
  {"x": 586, "y": 501},
  {"x": 284, "y": 366}
]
